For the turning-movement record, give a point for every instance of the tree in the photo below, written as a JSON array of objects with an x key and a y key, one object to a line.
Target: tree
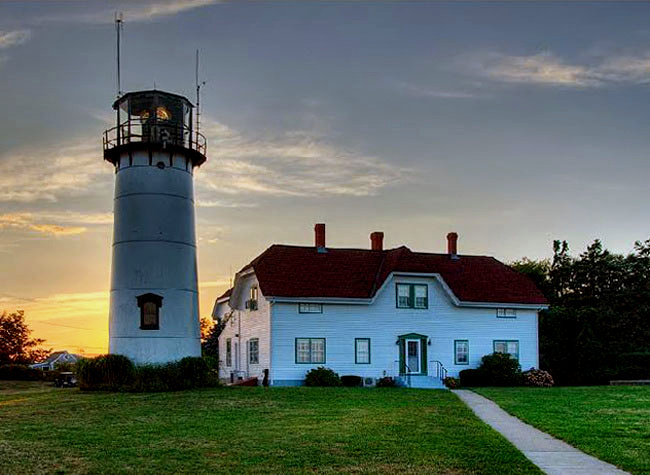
[
  {"x": 210, "y": 345},
  {"x": 206, "y": 328},
  {"x": 15, "y": 344},
  {"x": 538, "y": 272},
  {"x": 598, "y": 325}
]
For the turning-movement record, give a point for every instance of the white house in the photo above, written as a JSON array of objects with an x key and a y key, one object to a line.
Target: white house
[
  {"x": 372, "y": 312},
  {"x": 55, "y": 359}
]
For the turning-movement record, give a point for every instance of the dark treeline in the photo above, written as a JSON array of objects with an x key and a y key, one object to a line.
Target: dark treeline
[{"x": 598, "y": 325}]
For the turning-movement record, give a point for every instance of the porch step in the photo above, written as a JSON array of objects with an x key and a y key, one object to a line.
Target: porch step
[{"x": 420, "y": 382}]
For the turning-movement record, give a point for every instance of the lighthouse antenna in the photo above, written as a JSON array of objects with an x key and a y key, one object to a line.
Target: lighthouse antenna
[
  {"x": 198, "y": 96},
  {"x": 119, "y": 25}
]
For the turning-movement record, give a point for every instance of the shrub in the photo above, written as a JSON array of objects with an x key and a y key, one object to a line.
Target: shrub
[
  {"x": 107, "y": 372},
  {"x": 322, "y": 376},
  {"x": 19, "y": 372},
  {"x": 351, "y": 381},
  {"x": 451, "y": 383},
  {"x": 386, "y": 382},
  {"x": 149, "y": 378},
  {"x": 537, "y": 378},
  {"x": 471, "y": 378},
  {"x": 117, "y": 373},
  {"x": 500, "y": 369},
  {"x": 211, "y": 361},
  {"x": 194, "y": 372}
]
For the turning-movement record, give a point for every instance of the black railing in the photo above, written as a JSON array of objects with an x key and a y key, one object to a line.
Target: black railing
[{"x": 161, "y": 132}]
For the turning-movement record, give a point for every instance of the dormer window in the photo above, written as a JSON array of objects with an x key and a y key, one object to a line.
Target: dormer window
[
  {"x": 251, "y": 304},
  {"x": 412, "y": 296},
  {"x": 149, "y": 311}
]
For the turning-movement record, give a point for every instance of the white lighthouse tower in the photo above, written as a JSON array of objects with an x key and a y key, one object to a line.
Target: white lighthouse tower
[{"x": 154, "y": 309}]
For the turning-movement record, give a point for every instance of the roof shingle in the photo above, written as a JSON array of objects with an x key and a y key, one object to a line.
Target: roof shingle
[{"x": 298, "y": 271}]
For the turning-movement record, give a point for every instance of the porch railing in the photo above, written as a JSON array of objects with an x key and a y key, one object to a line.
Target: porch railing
[{"x": 437, "y": 370}]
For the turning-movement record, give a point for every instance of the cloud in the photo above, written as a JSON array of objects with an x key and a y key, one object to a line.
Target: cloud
[
  {"x": 547, "y": 69},
  {"x": 140, "y": 11},
  {"x": 13, "y": 38},
  {"x": 289, "y": 164},
  {"x": 542, "y": 68},
  {"x": 48, "y": 173},
  {"x": 27, "y": 221},
  {"x": 625, "y": 69},
  {"x": 419, "y": 91}
]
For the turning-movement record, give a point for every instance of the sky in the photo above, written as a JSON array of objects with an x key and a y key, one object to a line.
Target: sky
[{"x": 513, "y": 124}]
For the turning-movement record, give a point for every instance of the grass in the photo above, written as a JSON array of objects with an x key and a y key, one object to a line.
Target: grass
[
  {"x": 608, "y": 422},
  {"x": 234, "y": 430}
]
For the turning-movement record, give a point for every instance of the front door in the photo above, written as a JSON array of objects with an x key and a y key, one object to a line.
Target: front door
[{"x": 412, "y": 356}]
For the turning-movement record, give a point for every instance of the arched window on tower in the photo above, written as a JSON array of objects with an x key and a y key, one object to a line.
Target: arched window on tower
[{"x": 149, "y": 311}]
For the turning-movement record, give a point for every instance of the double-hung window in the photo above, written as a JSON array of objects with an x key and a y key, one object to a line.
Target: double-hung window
[
  {"x": 362, "y": 350},
  {"x": 412, "y": 296},
  {"x": 228, "y": 352},
  {"x": 310, "y": 350},
  {"x": 253, "y": 351},
  {"x": 461, "y": 352},
  {"x": 507, "y": 346}
]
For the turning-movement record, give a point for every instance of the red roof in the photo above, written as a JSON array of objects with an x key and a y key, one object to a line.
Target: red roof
[{"x": 298, "y": 271}]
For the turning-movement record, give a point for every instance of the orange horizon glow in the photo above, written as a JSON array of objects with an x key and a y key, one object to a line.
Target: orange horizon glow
[{"x": 78, "y": 322}]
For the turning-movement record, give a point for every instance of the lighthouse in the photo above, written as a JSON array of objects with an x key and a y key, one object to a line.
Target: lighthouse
[{"x": 154, "y": 149}]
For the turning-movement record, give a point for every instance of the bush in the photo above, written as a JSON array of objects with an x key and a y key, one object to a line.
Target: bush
[
  {"x": 351, "y": 381},
  {"x": 117, "y": 373},
  {"x": 193, "y": 372},
  {"x": 451, "y": 383},
  {"x": 631, "y": 366},
  {"x": 322, "y": 376},
  {"x": 537, "y": 378},
  {"x": 386, "y": 382},
  {"x": 19, "y": 372},
  {"x": 105, "y": 372},
  {"x": 471, "y": 378},
  {"x": 500, "y": 369},
  {"x": 211, "y": 361}
]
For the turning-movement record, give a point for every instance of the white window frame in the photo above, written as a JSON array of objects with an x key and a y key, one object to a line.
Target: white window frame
[
  {"x": 254, "y": 355},
  {"x": 506, "y": 313},
  {"x": 310, "y": 355},
  {"x": 229, "y": 352},
  {"x": 357, "y": 358},
  {"x": 310, "y": 308},
  {"x": 506, "y": 343},
  {"x": 457, "y": 345}
]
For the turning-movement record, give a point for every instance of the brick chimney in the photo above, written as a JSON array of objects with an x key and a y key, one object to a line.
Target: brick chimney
[
  {"x": 377, "y": 241},
  {"x": 452, "y": 245},
  {"x": 319, "y": 235}
]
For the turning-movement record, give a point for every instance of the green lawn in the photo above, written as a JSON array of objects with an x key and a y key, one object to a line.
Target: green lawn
[
  {"x": 609, "y": 422},
  {"x": 281, "y": 430}
]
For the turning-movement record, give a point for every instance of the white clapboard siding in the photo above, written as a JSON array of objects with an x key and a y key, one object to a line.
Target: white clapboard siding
[
  {"x": 244, "y": 325},
  {"x": 382, "y": 322}
]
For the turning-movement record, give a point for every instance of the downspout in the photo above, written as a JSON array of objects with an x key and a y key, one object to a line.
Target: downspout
[
  {"x": 271, "y": 303},
  {"x": 239, "y": 365}
]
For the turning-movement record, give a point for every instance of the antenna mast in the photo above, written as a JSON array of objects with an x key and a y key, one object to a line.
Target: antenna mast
[
  {"x": 198, "y": 96},
  {"x": 118, "y": 28}
]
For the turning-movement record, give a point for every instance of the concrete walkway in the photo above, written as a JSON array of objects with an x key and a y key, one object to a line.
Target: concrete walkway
[{"x": 550, "y": 454}]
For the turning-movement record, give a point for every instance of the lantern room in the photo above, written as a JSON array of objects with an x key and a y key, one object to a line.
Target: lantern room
[{"x": 154, "y": 120}]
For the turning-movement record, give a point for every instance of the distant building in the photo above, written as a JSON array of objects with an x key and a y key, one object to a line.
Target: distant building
[
  {"x": 413, "y": 316},
  {"x": 55, "y": 359}
]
